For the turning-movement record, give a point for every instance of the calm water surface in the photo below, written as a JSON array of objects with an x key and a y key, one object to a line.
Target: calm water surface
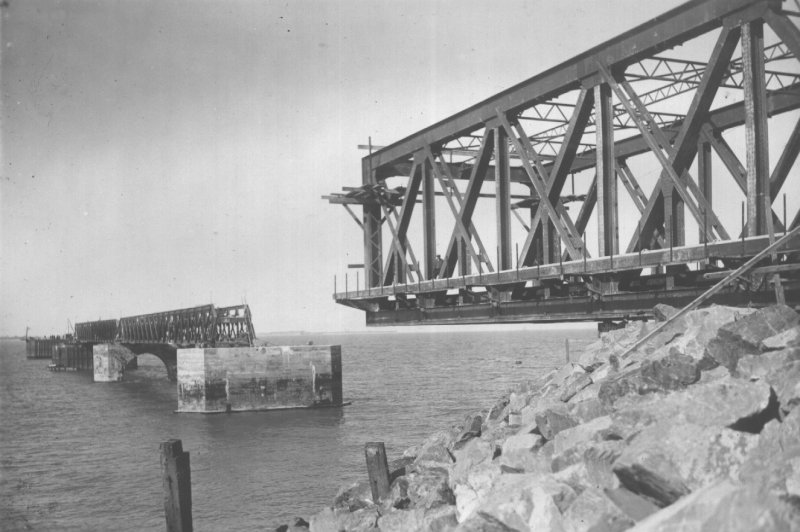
[{"x": 75, "y": 455}]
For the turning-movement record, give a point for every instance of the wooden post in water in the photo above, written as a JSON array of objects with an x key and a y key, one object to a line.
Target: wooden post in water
[
  {"x": 377, "y": 470},
  {"x": 177, "y": 477},
  {"x": 566, "y": 347}
]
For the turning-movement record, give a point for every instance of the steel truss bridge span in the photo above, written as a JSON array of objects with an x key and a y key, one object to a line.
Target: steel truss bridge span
[
  {"x": 201, "y": 326},
  {"x": 623, "y": 169}
]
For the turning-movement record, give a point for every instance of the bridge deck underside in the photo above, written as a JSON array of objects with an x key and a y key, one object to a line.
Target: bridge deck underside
[
  {"x": 613, "y": 288},
  {"x": 638, "y": 172}
]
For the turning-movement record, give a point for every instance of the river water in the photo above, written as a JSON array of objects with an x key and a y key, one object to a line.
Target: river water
[{"x": 78, "y": 455}]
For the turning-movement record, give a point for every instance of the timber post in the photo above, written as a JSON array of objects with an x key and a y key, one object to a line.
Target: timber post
[
  {"x": 377, "y": 470},
  {"x": 177, "y": 479}
]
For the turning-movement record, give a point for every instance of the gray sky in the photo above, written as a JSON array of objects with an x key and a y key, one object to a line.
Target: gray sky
[{"x": 163, "y": 154}]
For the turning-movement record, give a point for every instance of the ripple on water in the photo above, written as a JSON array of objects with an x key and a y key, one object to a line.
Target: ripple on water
[{"x": 76, "y": 455}]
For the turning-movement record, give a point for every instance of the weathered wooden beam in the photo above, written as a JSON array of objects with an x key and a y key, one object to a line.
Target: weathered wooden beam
[
  {"x": 176, "y": 474},
  {"x": 377, "y": 470}
]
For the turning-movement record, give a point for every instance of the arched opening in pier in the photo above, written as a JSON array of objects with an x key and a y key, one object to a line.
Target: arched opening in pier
[
  {"x": 150, "y": 366},
  {"x": 167, "y": 354}
]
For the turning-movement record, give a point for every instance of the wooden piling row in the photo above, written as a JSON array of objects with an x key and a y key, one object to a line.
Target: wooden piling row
[
  {"x": 41, "y": 347},
  {"x": 73, "y": 356}
]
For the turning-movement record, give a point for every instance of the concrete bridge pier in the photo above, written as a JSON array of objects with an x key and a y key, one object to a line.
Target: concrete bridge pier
[{"x": 112, "y": 360}]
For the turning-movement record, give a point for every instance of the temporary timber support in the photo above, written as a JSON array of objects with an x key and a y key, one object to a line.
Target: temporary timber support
[{"x": 558, "y": 146}]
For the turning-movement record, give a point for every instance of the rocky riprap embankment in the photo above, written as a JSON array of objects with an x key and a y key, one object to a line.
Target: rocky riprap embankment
[{"x": 699, "y": 429}]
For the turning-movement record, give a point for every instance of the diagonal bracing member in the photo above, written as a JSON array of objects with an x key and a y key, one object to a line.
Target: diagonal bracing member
[
  {"x": 549, "y": 185},
  {"x": 676, "y": 159}
]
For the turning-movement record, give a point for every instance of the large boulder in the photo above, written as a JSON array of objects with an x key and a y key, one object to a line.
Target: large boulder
[
  {"x": 779, "y": 369},
  {"x": 720, "y": 402},
  {"x": 599, "y": 460},
  {"x": 520, "y": 453},
  {"x": 441, "y": 519},
  {"x": 696, "y": 329},
  {"x": 329, "y": 520},
  {"x": 575, "y": 384},
  {"x": 662, "y": 312},
  {"x": 429, "y": 489},
  {"x": 472, "y": 487},
  {"x": 553, "y": 420},
  {"x": 775, "y": 462},
  {"x": 634, "y": 506},
  {"x": 580, "y": 434},
  {"x": 434, "y": 453},
  {"x": 354, "y": 497},
  {"x": 475, "y": 452},
  {"x": 612, "y": 344},
  {"x": 591, "y": 468},
  {"x": 593, "y": 510},
  {"x": 472, "y": 429},
  {"x": 724, "y": 506},
  {"x": 672, "y": 371},
  {"x": 787, "y": 338},
  {"x": 588, "y": 409},
  {"x": 526, "y": 502},
  {"x": 669, "y": 460},
  {"x": 744, "y": 336}
]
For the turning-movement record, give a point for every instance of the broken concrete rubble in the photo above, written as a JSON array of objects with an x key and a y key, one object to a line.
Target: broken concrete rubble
[{"x": 698, "y": 430}]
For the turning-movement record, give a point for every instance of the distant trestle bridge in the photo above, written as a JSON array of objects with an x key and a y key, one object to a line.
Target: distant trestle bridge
[{"x": 558, "y": 145}]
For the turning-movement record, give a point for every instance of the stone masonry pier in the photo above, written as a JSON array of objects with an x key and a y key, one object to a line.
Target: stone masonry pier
[{"x": 234, "y": 379}]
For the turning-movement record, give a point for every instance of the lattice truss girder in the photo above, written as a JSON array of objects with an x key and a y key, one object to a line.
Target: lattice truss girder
[
  {"x": 203, "y": 325},
  {"x": 587, "y": 117}
]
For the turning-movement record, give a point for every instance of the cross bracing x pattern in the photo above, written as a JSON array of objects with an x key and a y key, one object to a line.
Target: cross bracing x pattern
[{"x": 623, "y": 112}]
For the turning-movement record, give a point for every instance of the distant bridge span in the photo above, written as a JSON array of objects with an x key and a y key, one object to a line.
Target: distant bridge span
[
  {"x": 682, "y": 111},
  {"x": 161, "y": 334}
]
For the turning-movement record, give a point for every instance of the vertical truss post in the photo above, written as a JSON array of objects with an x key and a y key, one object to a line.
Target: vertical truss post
[
  {"x": 463, "y": 258},
  {"x": 429, "y": 219},
  {"x": 606, "y": 174},
  {"x": 502, "y": 181},
  {"x": 759, "y": 204},
  {"x": 371, "y": 222},
  {"x": 669, "y": 228},
  {"x": 704, "y": 182},
  {"x": 679, "y": 219}
]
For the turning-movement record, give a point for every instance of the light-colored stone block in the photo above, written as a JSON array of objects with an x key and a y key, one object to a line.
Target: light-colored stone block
[
  {"x": 258, "y": 378},
  {"x": 109, "y": 362}
]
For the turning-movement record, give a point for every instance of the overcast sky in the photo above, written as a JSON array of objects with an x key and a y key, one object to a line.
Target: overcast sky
[{"x": 164, "y": 154}]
